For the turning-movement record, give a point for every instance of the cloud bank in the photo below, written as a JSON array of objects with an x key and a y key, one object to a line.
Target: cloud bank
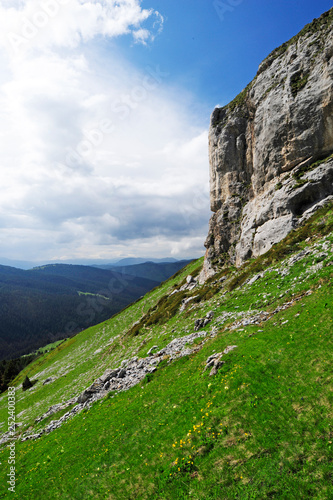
[{"x": 99, "y": 159}]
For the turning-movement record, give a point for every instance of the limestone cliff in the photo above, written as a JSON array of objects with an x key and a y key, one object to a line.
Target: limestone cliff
[{"x": 266, "y": 149}]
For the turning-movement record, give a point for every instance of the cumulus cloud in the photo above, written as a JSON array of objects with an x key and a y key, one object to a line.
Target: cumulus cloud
[
  {"x": 99, "y": 159},
  {"x": 40, "y": 24}
]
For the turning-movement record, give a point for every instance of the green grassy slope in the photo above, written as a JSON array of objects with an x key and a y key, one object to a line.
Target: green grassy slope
[{"x": 261, "y": 428}]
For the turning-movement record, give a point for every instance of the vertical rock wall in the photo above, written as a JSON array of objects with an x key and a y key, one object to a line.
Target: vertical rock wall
[{"x": 265, "y": 149}]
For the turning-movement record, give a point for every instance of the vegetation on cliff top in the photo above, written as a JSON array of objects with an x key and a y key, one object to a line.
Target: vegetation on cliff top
[
  {"x": 320, "y": 25},
  {"x": 323, "y": 23}
]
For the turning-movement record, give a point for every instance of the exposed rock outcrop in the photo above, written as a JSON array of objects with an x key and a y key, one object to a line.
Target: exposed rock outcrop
[
  {"x": 202, "y": 322},
  {"x": 266, "y": 149},
  {"x": 129, "y": 374},
  {"x": 215, "y": 360}
]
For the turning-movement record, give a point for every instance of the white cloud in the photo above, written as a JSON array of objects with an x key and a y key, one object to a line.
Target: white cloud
[
  {"x": 100, "y": 159},
  {"x": 41, "y": 24}
]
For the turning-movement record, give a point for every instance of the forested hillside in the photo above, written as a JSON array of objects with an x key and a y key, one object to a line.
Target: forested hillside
[{"x": 46, "y": 304}]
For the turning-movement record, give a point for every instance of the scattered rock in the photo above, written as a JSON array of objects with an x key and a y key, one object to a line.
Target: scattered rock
[
  {"x": 321, "y": 256},
  {"x": 118, "y": 379},
  {"x": 152, "y": 349},
  {"x": 95, "y": 388},
  {"x": 55, "y": 408},
  {"x": 178, "y": 347},
  {"x": 48, "y": 380},
  {"x": 202, "y": 322},
  {"x": 199, "y": 323},
  {"x": 254, "y": 279},
  {"x": 215, "y": 360},
  {"x": 185, "y": 303},
  {"x": 189, "y": 285},
  {"x": 299, "y": 256},
  {"x": 108, "y": 374},
  {"x": 210, "y": 315}
]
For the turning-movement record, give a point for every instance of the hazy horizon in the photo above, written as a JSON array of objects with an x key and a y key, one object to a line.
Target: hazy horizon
[{"x": 26, "y": 265}]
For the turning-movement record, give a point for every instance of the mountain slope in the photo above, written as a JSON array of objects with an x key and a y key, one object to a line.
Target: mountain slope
[
  {"x": 261, "y": 427},
  {"x": 151, "y": 270},
  {"x": 131, "y": 261},
  {"x": 52, "y": 302}
]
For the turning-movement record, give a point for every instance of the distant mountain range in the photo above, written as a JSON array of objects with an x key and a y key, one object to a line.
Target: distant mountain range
[
  {"x": 128, "y": 261},
  {"x": 131, "y": 261},
  {"x": 55, "y": 301},
  {"x": 151, "y": 270}
]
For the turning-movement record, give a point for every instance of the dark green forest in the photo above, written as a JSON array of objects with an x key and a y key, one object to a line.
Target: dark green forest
[
  {"x": 49, "y": 303},
  {"x": 10, "y": 368}
]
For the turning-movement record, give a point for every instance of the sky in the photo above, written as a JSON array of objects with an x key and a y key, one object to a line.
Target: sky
[{"x": 104, "y": 116}]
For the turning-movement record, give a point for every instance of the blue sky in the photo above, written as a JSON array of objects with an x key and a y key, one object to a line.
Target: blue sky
[
  {"x": 105, "y": 108},
  {"x": 214, "y": 51}
]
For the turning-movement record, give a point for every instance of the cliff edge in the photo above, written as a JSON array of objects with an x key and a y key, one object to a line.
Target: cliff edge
[{"x": 270, "y": 149}]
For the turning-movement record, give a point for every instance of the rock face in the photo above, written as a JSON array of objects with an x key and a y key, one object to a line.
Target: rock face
[{"x": 265, "y": 149}]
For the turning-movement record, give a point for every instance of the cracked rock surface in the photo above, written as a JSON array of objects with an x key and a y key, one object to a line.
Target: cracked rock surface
[{"x": 264, "y": 149}]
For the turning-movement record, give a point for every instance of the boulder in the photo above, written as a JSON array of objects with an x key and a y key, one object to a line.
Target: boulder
[
  {"x": 202, "y": 322},
  {"x": 108, "y": 374},
  {"x": 149, "y": 353},
  {"x": 87, "y": 394},
  {"x": 48, "y": 380}
]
